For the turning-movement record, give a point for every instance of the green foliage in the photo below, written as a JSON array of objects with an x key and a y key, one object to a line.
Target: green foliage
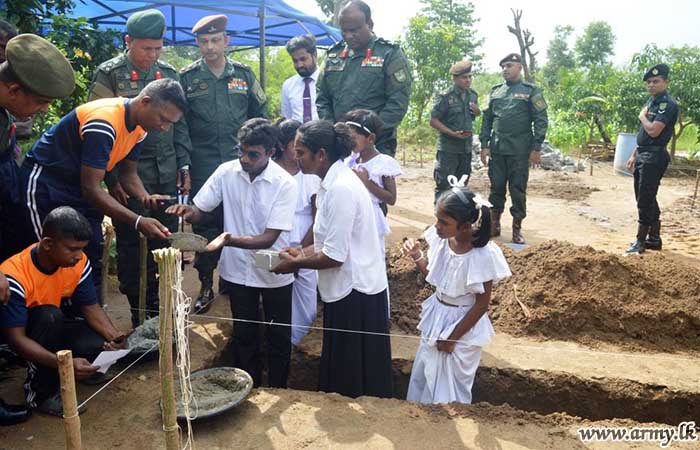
[
  {"x": 596, "y": 45},
  {"x": 279, "y": 67},
  {"x": 440, "y": 35},
  {"x": 559, "y": 55}
]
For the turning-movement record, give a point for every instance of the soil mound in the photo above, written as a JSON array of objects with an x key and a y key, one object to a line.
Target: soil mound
[{"x": 578, "y": 294}]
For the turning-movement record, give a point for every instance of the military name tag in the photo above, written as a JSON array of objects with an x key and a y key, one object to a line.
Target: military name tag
[
  {"x": 373, "y": 61},
  {"x": 521, "y": 95},
  {"x": 237, "y": 86},
  {"x": 335, "y": 65}
]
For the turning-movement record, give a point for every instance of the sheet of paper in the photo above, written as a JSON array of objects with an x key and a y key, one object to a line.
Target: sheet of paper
[{"x": 105, "y": 360}]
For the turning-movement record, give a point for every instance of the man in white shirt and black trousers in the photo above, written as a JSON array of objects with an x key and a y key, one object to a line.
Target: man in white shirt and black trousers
[
  {"x": 259, "y": 198},
  {"x": 299, "y": 91}
]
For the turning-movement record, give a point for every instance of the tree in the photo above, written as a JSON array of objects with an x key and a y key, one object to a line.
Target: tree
[
  {"x": 559, "y": 55},
  {"x": 596, "y": 45},
  {"x": 525, "y": 42},
  {"x": 684, "y": 85},
  {"x": 441, "y": 34},
  {"x": 331, "y": 8}
]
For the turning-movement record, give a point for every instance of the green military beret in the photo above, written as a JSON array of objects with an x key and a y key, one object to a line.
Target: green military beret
[
  {"x": 461, "y": 68},
  {"x": 40, "y": 66},
  {"x": 512, "y": 57},
  {"x": 148, "y": 24},
  {"x": 659, "y": 70}
]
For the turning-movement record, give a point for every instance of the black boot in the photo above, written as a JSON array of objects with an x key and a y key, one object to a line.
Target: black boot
[
  {"x": 13, "y": 414},
  {"x": 206, "y": 294},
  {"x": 496, "y": 224},
  {"x": 517, "y": 233},
  {"x": 638, "y": 245},
  {"x": 653, "y": 242}
]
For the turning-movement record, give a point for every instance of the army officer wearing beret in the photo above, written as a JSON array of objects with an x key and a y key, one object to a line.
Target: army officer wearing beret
[{"x": 650, "y": 159}]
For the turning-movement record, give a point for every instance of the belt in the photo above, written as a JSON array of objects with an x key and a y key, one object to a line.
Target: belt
[
  {"x": 650, "y": 148},
  {"x": 437, "y": 296}
]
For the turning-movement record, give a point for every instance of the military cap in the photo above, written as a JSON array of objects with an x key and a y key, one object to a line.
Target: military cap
[
  {"x": 461, "y": 68},
  {"x": 210, "y": 25},
  {"x": 40, "y": 66},
  {"x": 148, "y": 24},
  {"x": 512, "y": 57},
  {"x": 659, "y": 70}
]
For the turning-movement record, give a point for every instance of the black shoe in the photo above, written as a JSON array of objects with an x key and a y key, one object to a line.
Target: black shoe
[
  {"x": 54, "y": 406},
  {"x": 205, "y": 298},
  {"x": 13, "y": 414},
  {"x": 517, "y": 232},
  {"x": 653, "y": 242}
]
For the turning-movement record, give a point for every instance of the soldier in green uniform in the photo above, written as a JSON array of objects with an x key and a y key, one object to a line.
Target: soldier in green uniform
[
  {"x": 24, "y": 92},
  {"x": 452, "y": 115},
  {"x": 164, "y": 162},
  {"x": 222, "y": 94},
  {"x": 364, "y": 72},
  {"x": 512, "y": 132}
]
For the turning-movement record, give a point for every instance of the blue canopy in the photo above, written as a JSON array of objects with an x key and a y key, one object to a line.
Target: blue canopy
[{"x": 245, "y": 19}]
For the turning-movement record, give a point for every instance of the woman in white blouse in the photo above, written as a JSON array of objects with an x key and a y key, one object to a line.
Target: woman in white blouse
[{"x": 351, "y": 275}]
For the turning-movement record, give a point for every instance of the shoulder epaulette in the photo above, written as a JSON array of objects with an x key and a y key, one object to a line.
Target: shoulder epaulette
[
  {"x": 166, "y": 65},
  {"x": 113, "y": 63},
  {"x": 190, "y": 67},
  {"x": 496, "y": 87},
  {"x": 386, "y": 42},
  {"x": 241, "y": 65}
]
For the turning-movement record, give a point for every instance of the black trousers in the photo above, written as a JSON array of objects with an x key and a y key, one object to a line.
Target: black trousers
[
  {"x": 355, "y": 364},
  {"x": 246, "y": 347},
  {"x": 49, "y": 328},
  {"x": 649, "y": 168}
]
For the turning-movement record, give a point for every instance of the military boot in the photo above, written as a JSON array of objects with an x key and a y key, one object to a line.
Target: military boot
[
  {"x": 517, "y": 233},
  {"x": 653, "y": 241},
  {"x": 496, "y": 224},
  {"x": 206, "y": 294},
  {"x": 637, "y": 247}
]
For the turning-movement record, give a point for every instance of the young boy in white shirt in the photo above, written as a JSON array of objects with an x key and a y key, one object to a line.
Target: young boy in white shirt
[{"x": 259, "y": 198}]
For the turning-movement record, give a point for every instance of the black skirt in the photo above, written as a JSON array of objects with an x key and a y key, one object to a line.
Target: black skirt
[{"x": 354, "y": 364}]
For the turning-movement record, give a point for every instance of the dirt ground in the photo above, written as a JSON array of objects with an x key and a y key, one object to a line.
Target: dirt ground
[{"x": 567, "y": 212}]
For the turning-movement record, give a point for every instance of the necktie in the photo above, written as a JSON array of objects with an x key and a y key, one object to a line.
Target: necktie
[{"x": 307, "y": 99}]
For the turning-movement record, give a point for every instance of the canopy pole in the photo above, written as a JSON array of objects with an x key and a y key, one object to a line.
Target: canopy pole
[
  {"x": 261, "y": 14},
  {"x": 173, "y": 29}
]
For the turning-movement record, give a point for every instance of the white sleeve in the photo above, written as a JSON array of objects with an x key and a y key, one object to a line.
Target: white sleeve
[
  {"x": 211, "y": 194},
  {"x": 282, "y": 213},
  {"x": 339, "y": 213},
  {"x": 286, "y": 107}
]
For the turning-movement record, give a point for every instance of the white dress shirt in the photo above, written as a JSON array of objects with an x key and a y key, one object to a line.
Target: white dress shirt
[
  {"x": 345, "y": 231},
  {"x": 292, "y": 97},
  {"x": 250, "y": 208}
]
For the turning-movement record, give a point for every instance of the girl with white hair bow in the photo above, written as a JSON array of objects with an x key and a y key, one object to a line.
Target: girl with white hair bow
[{"x": 463, "y": 265}]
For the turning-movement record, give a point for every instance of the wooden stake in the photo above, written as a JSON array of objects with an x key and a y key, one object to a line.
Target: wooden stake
[
  {"x": 420, "y": 152},
  {"x": 143, "y": 277},
  {"x": 166, "y": 259},
  {"x": 404, "y": 157},
  {"x": 71, "y": 419},
  {"x": 697, "y": 182},
  {"x": 524, "y": 307},
  {"x": 109, "y": 236}
]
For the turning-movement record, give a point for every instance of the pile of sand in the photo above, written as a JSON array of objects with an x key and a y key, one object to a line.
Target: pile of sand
[{"x": 579, "y": 294}]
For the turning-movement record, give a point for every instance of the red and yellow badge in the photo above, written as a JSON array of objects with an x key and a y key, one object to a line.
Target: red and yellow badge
[
  {"x": 237, "y": 85},
  {"x": 373, "y": 61}
]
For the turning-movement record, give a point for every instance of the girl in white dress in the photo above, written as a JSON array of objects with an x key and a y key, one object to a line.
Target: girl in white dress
[
  {"x": 463, "y": 266},
  {"x": 376, "y": 170},
  {"x": 304, "y": 288}
]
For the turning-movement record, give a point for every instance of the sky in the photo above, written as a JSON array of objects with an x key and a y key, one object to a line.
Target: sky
[{"x": 635, "y": 23}]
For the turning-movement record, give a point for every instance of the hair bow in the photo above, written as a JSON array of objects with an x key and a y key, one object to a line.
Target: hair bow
[
  {"x": 481, "y": 201},
  {"x": 458, "y": 182}
]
